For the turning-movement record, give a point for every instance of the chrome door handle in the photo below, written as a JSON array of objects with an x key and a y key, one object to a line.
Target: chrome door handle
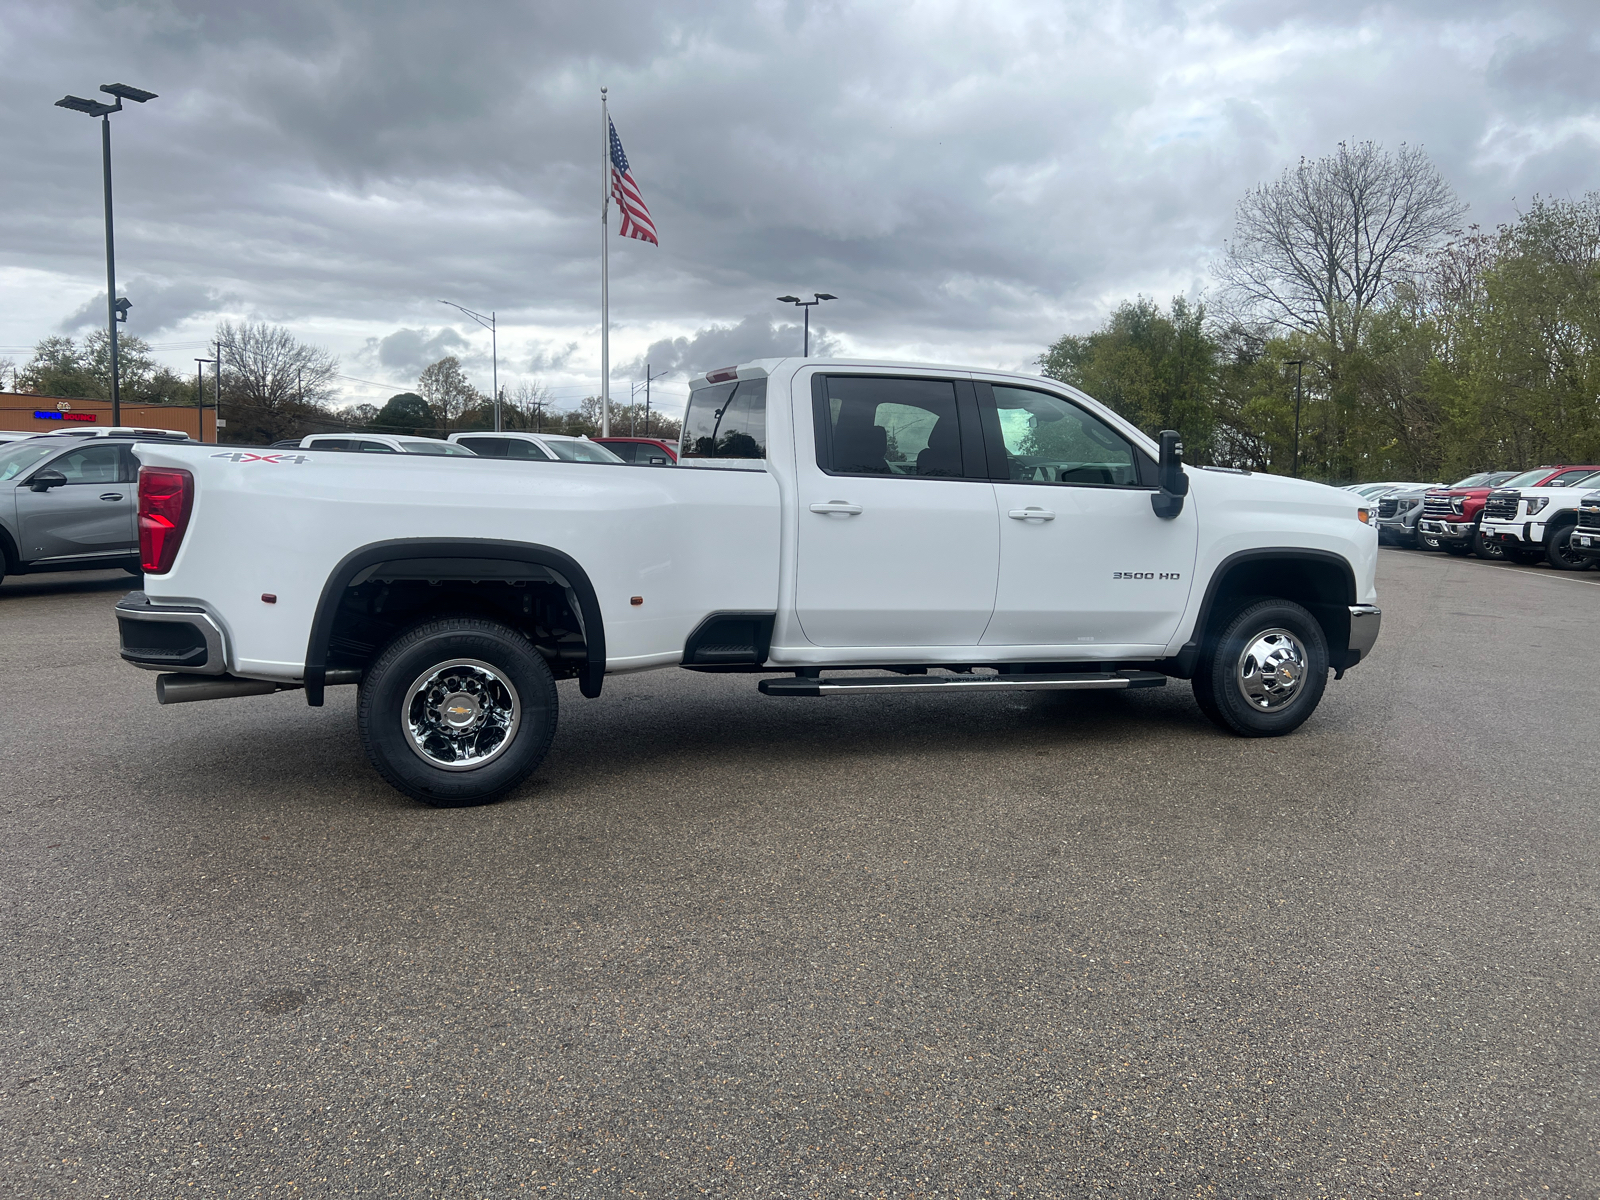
[
  {"x": 843, "y": 507},
  {"x": 111, "y": 495},
  {"x": 1031, "y": 514}
]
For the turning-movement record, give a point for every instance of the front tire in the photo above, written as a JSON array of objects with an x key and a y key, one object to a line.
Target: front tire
[
  {"x": 1266, "y": 672},
  {"x": 1560, "y": 554},
  {"x": 457, "y": 711},
  {"x": 1493, "y": 551},
  {"x": 1426, "y": 541}
]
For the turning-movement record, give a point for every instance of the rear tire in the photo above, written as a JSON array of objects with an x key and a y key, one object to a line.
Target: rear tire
[
  {"x": 457, "y": 711},
  {"x": 1560, "y": 554},
  {"x": 1266, "y": 672}
]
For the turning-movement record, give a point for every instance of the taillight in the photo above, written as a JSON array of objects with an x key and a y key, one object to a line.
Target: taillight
[{"x": 166, "y": 494}]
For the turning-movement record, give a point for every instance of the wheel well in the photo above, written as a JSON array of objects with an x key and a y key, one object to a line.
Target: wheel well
[
  {"x": 9, "y": 558},
  {"x": 1560, "y": 520},
  {"x": 380, "y": 590},
  {"x": 1321, "y": 582}
]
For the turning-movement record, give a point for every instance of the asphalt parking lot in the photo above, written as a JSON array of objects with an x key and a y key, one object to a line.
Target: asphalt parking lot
[{"x": 728, "y": 944}]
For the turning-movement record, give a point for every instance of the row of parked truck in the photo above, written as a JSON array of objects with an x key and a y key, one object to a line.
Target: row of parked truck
[{"x": 1548, "y": 514}]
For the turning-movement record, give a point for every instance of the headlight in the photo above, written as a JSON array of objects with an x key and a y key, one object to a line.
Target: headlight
[
  {"x": 1456, "y": 503},
  {"x": 1536, "y": 504}
]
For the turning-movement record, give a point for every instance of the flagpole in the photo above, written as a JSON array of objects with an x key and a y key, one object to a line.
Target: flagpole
[{"x": 605, "y": 269}]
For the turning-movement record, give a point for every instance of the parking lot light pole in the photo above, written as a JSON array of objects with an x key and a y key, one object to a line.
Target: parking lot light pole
[
  {"x": 115, "y": 311},
  {"x": 1298, "y": 364},
  {"x": 807, "y": 305},
  {"x": 494, "y": 353}
]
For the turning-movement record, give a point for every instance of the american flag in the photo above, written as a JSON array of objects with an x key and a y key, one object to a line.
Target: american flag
[{"x": 636, "y": 222}]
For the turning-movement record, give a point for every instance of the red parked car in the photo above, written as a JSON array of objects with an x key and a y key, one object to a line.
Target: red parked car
[
  {"x": 641, "y": 450},
  {"x": 1452, "y": 514}
]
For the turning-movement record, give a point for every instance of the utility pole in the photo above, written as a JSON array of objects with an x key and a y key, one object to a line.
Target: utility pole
[
  {"x": 1298, "y": 364},
  {"x": 647, "y": 399},
  {"x": 200, "y": 397}
]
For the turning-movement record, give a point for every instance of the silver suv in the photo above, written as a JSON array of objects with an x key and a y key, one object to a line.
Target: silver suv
[{"x": 68, "y": 502}]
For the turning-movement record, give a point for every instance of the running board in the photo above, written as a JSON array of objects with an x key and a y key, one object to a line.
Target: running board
[{"x": 944, "y": 684}]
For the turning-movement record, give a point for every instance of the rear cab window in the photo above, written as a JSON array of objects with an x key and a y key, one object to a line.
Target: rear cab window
[
  {"x": 896, "y": 426},
  {"x": 726, "y": 424}
]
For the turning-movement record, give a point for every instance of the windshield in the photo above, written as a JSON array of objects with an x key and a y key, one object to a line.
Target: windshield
[
  {"x": 19, "y": 456},
  {"x": 580, "y": 451},
  {"x": 436, "y": 448},
  {"x": 1478, "y": 480},
  {"x": 1527, "y": 478}
]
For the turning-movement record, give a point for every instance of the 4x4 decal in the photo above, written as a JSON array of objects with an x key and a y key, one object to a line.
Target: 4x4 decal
[{"x": 244, "y": 456}]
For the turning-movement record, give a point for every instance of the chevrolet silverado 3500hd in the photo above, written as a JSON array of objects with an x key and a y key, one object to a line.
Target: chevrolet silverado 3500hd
[{"x": 953, "y": 530}]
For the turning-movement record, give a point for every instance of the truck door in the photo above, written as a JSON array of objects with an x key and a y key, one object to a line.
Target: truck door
[
  {"x": 92, "y": 513},
  {"x": 1084, "y": 560},
  {"x": 898, "y": 539}
]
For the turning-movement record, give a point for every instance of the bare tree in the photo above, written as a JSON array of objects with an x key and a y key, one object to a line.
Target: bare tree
[
  {"x": 527, "y": 406},
  {"x": 444, "y": 386},
  {"x": 1316, "y": 251},
  {"x": 271, "y": 381}
]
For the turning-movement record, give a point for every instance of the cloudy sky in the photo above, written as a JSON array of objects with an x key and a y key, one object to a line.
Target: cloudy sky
[{"x": 971, "y": 179}]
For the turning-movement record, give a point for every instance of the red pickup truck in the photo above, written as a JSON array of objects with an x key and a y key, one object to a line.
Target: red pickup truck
[{"x": 1452, "y": 514}]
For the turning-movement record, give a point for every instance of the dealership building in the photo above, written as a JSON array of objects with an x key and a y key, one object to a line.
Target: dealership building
[{"x": 26, "y": 413}]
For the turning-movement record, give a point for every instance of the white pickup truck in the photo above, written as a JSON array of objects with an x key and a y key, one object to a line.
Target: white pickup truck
[
  {"x": 940, "y": 529},
  {"x": 1540, "y": 522}
]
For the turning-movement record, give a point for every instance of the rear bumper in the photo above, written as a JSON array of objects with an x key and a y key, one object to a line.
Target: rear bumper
[
  {"x": 1365, "y": 621},
  {"x": 170, "y": 637}
]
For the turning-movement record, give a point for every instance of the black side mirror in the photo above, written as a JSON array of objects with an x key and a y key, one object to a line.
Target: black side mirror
[
  {"x": 43, "y": 481},
  {"x": 1170, "y": 478}
]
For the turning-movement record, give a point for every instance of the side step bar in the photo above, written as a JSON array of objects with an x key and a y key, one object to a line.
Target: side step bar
[{"x": 862, "y": 685}]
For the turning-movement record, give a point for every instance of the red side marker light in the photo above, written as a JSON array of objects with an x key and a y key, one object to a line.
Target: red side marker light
[
  {"x": 166, "y": 496},
  {"x": 268, "y": 598}
]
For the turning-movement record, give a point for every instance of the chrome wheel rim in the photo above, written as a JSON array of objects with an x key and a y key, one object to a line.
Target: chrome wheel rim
[
  {"x": 1271, "y": 670},
  {"x": 461, "y": 715}
]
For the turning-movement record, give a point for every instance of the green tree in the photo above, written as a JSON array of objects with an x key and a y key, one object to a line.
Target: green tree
[
  {"x": 1157, "y": 369},
  {"x": 450, "y": 396},
  {"x": 406, "y": 413}
]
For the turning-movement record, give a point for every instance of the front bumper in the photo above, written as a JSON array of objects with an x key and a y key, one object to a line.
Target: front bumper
[
  {"x": 1455, "y": 530},
  {"x": 1365, "y": 621},
  {"x": 1515, "y": 533},
  {"x": 1585, "y": 542},
  {"x": 170, "y": 637}
]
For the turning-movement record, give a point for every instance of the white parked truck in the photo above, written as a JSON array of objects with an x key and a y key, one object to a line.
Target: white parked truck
[
  {"x": 1539, "y": 522},
  {"x": 940, "y": 529}
]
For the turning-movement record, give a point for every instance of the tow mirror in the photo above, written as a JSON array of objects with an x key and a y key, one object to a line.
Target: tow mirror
[
  {"x": 43, "y": 481},
  {"x": 1170, "y": 478}
]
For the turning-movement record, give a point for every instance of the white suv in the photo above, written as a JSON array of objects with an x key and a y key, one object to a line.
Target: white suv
[
  {"x": 380, "y": 443},
  {"x": 539, "y": 447}
]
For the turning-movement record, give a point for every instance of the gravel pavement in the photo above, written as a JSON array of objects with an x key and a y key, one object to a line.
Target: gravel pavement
[{"x": 725, "y": 944}]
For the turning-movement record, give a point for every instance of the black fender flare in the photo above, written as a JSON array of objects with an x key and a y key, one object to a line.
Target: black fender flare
[
  {"x": 590, "y": 675},
  {"x": 1189, "y": 656}
]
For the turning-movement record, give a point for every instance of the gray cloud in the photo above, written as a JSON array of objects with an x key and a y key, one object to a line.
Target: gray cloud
[
  {"x": 408, "y": 351},
  {"x": 154, "y": 307},
  {"x": 725, "y": 345},
  {"x": 972, "y": 182}
]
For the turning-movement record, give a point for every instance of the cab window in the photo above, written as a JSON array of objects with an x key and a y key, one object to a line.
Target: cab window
[
  {"x": 880, "y": 425},
  {"x": 727, "y": 420},
  {"x": 99, "y": 463},
  {"x": 1047, "y": 439}
]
